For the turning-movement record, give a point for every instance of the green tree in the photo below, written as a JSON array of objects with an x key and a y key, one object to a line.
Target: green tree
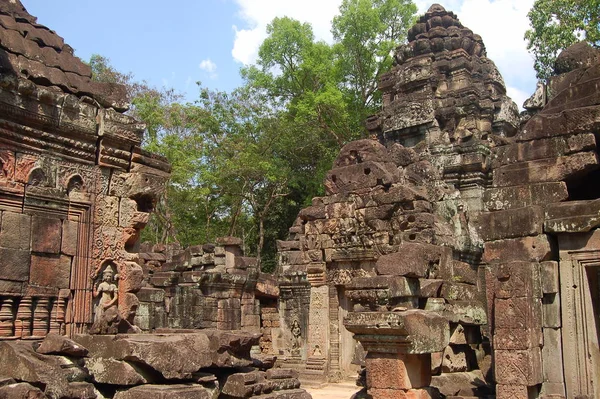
[
  {"x": 555, "y": 25},
  {"x": 366, "y": 33}
]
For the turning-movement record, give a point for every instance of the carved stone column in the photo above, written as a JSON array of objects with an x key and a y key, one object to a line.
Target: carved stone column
[
  {"x": 24, "y": 313},
  {"x": 399, "y": 347},
  {"x": 7, "y": 322}
]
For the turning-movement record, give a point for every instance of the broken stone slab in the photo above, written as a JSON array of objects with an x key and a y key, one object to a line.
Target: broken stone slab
[
  {"x": 21, "y": 390},
  {"x": 178, "y": 391},
  {"x": 470, "y": 383},
  {"x": 465, "y": 312},
  {"x": 415, "y": 260},
  {"x": 546, "y": 170},
  {"x": 409, "y": 331},
  {"x": 521, "y": 222},
  {"x": 529, "y": 249},
  {"x": 55, "y": 344},
  {"x": 115, "y": 372},
  {"x": 21, "y": 363},
  {"x": 175, "y": 356},
  {"x": 572, "y": 217}
]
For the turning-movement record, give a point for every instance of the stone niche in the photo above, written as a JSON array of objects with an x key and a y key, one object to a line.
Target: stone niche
[
  {"x": 75, "y": 186},
  {"x": 457, "y": 253}
]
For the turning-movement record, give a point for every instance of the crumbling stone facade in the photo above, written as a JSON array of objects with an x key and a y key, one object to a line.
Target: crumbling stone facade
[
  {"x": 75, "y": 190},
  {"x": 75, "y": 187},
  {"x": 456, "y": 254},
  {"x": 205, "y": 286}
]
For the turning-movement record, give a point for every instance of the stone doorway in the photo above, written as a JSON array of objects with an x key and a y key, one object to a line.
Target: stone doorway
[
  {"x": 580, "y": 296},
  {"x": 350, "y": 350}
]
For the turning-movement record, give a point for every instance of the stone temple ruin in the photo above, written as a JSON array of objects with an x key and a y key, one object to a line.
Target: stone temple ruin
[{"x": 454, "y": 256}]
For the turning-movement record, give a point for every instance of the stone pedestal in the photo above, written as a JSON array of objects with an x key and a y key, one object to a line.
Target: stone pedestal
[{"x": 399, "y": 347}]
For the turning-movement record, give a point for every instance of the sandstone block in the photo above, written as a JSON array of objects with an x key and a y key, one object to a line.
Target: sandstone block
[
  {"x": 470, "y": 383},
  {"x": 549, "y": 277},
  {"x": 551, "y": 310},
  {"x": 552, "y": 357},
  {"x": 572, "y": 217},
  {"x": 147, "y": 294},
  {"x": 15, "y": 231},
  {"x": 504, "y": 198},
  {"x": 46, "y": 235},
  {"x": 520, "y": 367},
  {"x": 398, "y": 371},
  {"x": 429, "y": 288},
  {"x": 175, "y": 391},
  {"x": 415, "y": 260},
  {"x": 115, "y": 372},
  {"x": 518, "y": 279},
  {"x": 511, "y": 392},
  {"x": 69, "y": 237},
  {"x": 458, "y": 291},
  {"x": 377, "y": 393},
  {"x": 515, "y": 338},
  {"x": 529, "y": 249},
  {"x": 454, "y": 359},
  {"x": 518, "y": 313},
  {"x": 175, "y": 356},
  {"x": 512, "y": 223},
  {"x": 131, "y": 276},
  {"x": 55, "y": 344},
  {"x": 14, "y": 264},
  {"x": 21, "y": 390},
  {"x": 50, "y": 271}
]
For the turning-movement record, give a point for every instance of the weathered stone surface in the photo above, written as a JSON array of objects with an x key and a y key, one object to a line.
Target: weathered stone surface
[
  {"x": 20, "y": 362},
  {"x": 426, "y": 332},
  {"x": 518, "y": 279},
  {"x": 176, "y": 391},
  {"x": 55, "y": 344},
  {"x": 398, "y": 371},
  {"x": 21, "y": 390},
  {"x": 46, "y": 235},
  {"x": 415, "y": 260},
  {"x": 454, "y": 360},
  {"x": 14, "y": 264},
  {"x": 522, "y": 367},
  {"x": 512, "y": 223},
  {"x": 546, "y": 170},
  {"x": 15, "y": 231},
  {"x": 572, "y": 217},
  {"x": 470, "y": 383},
  {"x": 175, "y": 356},
  {"x": 528, "y": 249},
  {"x": 504, "y": 198},
  {"x": 115, "y": 372}
]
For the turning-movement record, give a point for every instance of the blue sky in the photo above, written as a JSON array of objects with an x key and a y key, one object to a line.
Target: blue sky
[{"x": 179, "y": 42}]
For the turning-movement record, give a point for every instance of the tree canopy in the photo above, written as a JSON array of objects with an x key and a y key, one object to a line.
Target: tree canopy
[
  {"x": 245, "y": 162},
  {"x": 555, "y": 25}
]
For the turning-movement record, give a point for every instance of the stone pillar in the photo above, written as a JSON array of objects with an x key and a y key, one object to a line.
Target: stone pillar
[
  {"x": 40, "y": 318},
  {"x": 399, "y": 347},
  {"x": 24, "y": 314},
  {"x": 7, "y": 322}
]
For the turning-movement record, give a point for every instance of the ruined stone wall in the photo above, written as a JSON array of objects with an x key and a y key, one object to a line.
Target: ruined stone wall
[
  {"x": 75, "y": 186},
  {"x": 204, "y": 286},
  {"x": 449, "y": 245}
]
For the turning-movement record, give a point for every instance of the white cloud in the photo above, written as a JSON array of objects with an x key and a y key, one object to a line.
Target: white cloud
[
  {"x": 501, "y": 24},
  {"x": 518, "y": 96},
  {"x": 210, "y": 67},
  {"x": 259, "y": 13}
]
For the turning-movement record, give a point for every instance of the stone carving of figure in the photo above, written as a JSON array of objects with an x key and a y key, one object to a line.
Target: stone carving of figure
[
  {"x": 107, "y": 291},
  {"x": 296, "y": 332}
]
